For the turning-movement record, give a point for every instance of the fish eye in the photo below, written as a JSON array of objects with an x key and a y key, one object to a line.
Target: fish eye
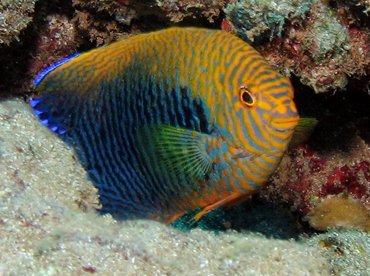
[{"x": 246, "y": 97}]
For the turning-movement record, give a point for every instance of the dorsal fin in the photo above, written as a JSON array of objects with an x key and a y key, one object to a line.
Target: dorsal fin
[{"x": 52, "y": 67}]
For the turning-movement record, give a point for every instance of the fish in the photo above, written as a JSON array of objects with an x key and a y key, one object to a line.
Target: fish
[{"x": 170, "y": 121}]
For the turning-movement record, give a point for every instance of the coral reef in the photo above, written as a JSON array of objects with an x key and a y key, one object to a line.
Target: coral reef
[
  {"x": 321, "y": 44},
  {"x": 14, "y": 17},
  {"x": 105, "y": 21},
  {"x": 327, "y": 179},
  {"x": 57, "y": 35},
  {"x": 50, "y": 37},
  {"x": 178, "y": 10},
  {"x": 347, "y": 172},
  {"x": 329, "y": 188},
  {"x": 121, "y": 10},
  {"x": 324, "y": 43},
  {"x": 258, "y": 19},
  {"x": 48, "y": 225},
  {"x": 102, "y": 22}
]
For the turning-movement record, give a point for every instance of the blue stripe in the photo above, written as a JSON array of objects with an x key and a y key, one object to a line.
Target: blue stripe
[{"x": 52, "y": 67}]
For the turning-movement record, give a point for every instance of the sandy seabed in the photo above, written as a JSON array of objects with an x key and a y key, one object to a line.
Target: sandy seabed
[{"x": 48, "y": 225}]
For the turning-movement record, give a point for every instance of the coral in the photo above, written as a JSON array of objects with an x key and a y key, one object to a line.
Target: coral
[
  {"x": 57, "y": 35},
  {"x": 14, "y": 18},
  {"x": 102, "y": 22},
  {"x": 50, "y": 37},
  {"x": 96, "y": 30},
  {"x": 324, "y": 43},
  {"x": 315, "y": 184},
  {"x": 178, "y": 10},
  {"x": 124, "y": 12},
  {"x": 326, "y": 36},
  {"x": 253, "y": 20},
  {"x": 121, "y": 10},
  {"x": 321, "y": 44},
  {"x": 333, "y": 166}
]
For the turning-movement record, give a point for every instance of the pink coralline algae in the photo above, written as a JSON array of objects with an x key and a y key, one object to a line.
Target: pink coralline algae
[
  {"x": 311, "y": 182},
  {"x": 58, "y": 36}
]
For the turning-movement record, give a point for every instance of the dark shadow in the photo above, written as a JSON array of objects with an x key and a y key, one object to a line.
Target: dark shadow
[
  {"x": 268, "y": 219},
  {"x": 16, "y": 58},
  {"x": 342, "y": 115}
]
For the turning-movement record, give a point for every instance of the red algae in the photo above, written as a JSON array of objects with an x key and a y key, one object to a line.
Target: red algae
[
  {"x": 306, "y": 179},
  {"x": 57, "y": 35}
]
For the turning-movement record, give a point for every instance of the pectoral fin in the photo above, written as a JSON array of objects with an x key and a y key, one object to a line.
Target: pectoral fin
[
  {"x": 303, "y": 131},
  {"x": 182, "y": 151}
]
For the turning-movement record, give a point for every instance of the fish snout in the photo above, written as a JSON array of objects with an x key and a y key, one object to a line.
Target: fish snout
[
  {"x": 285, "y": 123},
  {"x": 285, "y": 117}
]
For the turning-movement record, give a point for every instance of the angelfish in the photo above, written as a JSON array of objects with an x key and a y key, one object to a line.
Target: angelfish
[{"x": 170, "y": 121}]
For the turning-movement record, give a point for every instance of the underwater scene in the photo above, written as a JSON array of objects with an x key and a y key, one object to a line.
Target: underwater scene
[{"x": 161, "y": 137}]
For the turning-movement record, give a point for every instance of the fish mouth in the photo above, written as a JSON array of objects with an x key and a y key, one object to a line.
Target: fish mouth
[{"x": 285, "y": 123}]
